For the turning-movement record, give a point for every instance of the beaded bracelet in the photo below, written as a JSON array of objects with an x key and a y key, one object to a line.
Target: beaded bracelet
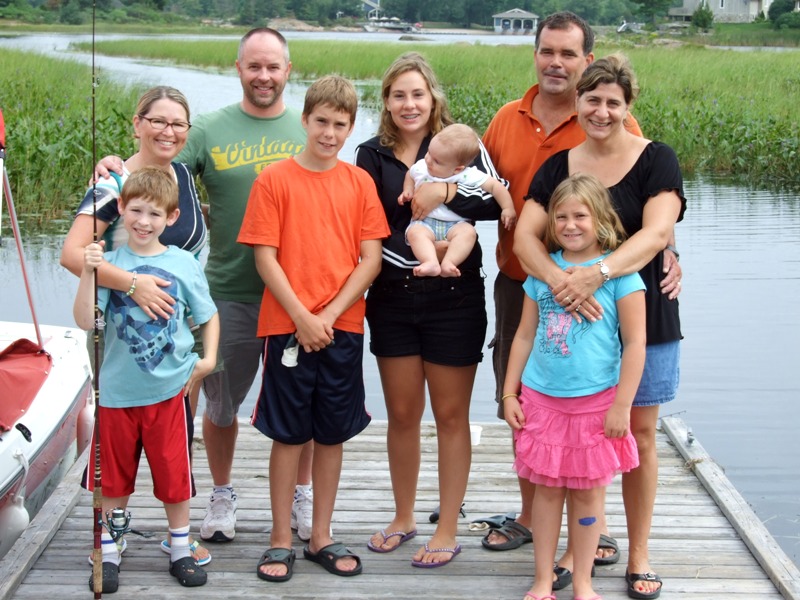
[{"x": 133, "y": 285}]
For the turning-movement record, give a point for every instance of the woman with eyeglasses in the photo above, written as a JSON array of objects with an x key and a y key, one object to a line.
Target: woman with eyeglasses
[{"x": 161, "y": 124}]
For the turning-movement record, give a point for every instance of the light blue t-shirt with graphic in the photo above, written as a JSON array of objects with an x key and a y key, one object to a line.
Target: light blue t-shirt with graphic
[
  {"x": 572, "y": 359},
  {"x": 147, "y": 361}
]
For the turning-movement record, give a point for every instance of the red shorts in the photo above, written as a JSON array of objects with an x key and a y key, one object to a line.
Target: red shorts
[{"x": 164, "y": 430}]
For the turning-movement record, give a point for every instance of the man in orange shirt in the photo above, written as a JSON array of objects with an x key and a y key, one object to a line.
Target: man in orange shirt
[{"x": 522, "y": 135}]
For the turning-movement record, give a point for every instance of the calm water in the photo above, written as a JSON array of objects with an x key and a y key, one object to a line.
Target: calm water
[{"x": 739, "y": 252}]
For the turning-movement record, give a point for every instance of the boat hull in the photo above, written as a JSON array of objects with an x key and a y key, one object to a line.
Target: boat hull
[{"x": 42, "y": 445}]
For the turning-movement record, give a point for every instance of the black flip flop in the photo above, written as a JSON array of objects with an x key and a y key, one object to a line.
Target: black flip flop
[
  {"x": 434, "y": 516},
  {"x": 329, "y": 555},
  {"x": 607, "y": 543},
  {"x": 493, "y": 522},
  {"x": 632, "y": 578},
  {"x": 563, "y": 577},
  {"x": 516, "y": 535},
  {"x": 273, "y": 556}
]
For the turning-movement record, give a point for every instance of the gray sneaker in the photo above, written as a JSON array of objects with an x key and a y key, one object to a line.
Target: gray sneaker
[{"x": 220, "y": 522}]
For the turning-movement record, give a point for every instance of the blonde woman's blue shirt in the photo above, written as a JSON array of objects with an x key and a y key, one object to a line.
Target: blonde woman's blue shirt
[{"x": 568, "y": 358}]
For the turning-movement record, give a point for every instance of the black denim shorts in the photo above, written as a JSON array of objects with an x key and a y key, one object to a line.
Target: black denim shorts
[{"x": 443, "y": 320}]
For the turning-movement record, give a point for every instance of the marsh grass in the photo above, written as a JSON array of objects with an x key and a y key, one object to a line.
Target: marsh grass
[
  {"x": 725, "y": 112},
  {"x": 47, "y": 109}
]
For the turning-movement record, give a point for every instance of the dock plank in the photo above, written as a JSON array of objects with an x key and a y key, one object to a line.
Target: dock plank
[{"x": 696, "y": 548}]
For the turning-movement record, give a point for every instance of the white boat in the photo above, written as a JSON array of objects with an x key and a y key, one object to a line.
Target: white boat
[
  {"x": 45, "y": 417},
  {"x": 46, "y": 407},
  {"x": 390, "y": 24}
]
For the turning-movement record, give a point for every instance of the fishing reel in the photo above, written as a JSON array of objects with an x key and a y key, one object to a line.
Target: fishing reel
[{"x": 118, "y": 524}]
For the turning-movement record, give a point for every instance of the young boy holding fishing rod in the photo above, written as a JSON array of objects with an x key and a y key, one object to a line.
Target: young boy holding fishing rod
[{"x": 149, "y": 368}]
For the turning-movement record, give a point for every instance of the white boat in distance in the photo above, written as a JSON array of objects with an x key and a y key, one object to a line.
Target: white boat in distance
[{"x": 374, "y": 24}]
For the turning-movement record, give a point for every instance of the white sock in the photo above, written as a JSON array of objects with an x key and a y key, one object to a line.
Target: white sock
[
  {"x": 226, "y": 489},
  {"x": 110, "y": 550},
  {"x": 179, "y": 547}
]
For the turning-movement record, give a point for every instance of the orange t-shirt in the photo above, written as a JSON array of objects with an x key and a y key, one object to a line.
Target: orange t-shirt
[
  {"x": 317, "y": 221},
  {"x": 518, "y": 145}
]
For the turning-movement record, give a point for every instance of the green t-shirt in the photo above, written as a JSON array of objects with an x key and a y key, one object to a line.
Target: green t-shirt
[{"x": 228, "y": 149}]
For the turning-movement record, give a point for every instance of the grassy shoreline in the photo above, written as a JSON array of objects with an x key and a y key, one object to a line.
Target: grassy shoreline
[{"x": 724, "y": 112}]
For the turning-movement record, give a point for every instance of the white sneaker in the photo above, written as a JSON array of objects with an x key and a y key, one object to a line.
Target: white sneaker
[
  {"x": 302, "y": 509},
  {"x": 220, "y": 522}
]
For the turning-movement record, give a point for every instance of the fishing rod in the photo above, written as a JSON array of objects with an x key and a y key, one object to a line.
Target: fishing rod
[{"x": 97, "y": 493}]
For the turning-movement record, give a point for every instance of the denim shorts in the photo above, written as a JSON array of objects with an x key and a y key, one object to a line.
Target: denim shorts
[
  {"x": 661, "y": 375},
  {"x": 443, "y": 320}
]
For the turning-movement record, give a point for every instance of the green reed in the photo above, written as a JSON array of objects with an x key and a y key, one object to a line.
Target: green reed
[
  {"x": 724, "y": 112},
  {"x": 47, "y": 108}
]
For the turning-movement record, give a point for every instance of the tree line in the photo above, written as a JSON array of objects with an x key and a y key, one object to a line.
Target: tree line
[{"x": 462, "y": 13}]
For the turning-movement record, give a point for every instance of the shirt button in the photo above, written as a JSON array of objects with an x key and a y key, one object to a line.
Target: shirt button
[{"x": 538, "y": 130}]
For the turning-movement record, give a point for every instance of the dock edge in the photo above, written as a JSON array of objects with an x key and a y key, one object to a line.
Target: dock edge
[
  {"x": 14, "y": 566},
  {"x": 775, "y": 562}
]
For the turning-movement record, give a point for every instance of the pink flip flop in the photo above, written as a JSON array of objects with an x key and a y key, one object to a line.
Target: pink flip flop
[{"x": 404, "y": 537}]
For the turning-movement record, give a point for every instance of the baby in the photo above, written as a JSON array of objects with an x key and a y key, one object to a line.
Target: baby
[{"x": 448, "y": 154}]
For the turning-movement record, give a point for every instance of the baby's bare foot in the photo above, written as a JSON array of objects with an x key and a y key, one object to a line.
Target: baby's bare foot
[
  {"x": 449, "y": 269},
  {"x": 428, "y": 269}
]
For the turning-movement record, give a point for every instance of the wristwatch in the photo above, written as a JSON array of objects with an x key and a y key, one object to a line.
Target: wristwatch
[{"x": 604, "y": 271}]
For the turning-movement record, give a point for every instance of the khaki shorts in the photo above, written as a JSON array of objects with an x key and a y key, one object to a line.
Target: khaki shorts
[
  {"x": 508, "y": 300},
  {"x": 240, "y": 356}
]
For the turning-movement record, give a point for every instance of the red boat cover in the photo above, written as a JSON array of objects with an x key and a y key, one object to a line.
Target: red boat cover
[{"x": 24, "y": 366}]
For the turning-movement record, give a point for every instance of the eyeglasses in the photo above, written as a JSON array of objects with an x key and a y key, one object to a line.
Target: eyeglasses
[{"x": 161, "y": 124}]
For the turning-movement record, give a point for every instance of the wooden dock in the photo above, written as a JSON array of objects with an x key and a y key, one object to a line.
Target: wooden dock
[{"x": 706, "y": 542}]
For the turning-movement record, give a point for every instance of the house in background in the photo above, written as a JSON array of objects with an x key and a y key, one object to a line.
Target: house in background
[
  {"x": 725, "y": 11},
  {"x": 515, "y": 21}
]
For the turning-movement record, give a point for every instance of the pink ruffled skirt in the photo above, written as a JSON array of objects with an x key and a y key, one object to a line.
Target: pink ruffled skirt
[{"x": 563, "y": 443}]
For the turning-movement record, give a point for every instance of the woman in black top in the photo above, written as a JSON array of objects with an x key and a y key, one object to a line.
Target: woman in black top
[
  {"x": 646, "y": 187},
  {"x": 423, "y": 330}
]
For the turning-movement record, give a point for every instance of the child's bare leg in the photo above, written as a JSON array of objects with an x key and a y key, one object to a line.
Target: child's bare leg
[
  {"x": 177, "y": 514},
  {"x": 585, "y": 528},
  {"x": 325, "y": 473},
  {"x": 548, "y": 506},
  {"x": 462, "y": 238},
  {"x": 283, "y": 461},
  {"x": 421, "y": 239}
]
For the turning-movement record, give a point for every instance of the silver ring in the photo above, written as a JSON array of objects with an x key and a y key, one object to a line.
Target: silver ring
[
  {"x": 578, "y": 308},
  {"x": 568, "y": 299}
]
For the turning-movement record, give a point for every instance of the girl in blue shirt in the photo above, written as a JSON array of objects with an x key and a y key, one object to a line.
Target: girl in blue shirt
[{"x": 570, "y": 384}]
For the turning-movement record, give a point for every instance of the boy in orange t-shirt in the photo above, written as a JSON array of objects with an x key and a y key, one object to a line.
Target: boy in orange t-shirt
[{"x": 316, "y": 226}]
